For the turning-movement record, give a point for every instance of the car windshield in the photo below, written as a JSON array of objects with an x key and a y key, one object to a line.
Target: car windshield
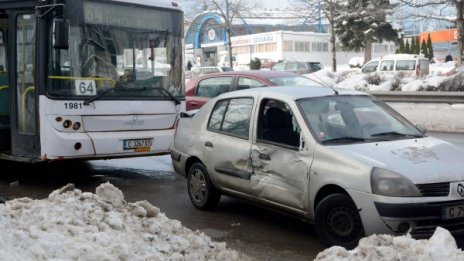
[
  {"x": 293, "y": 81},
  {"x": 343, "y": 119},
  {"x": 227, "y": 69},
  {"x": 131, "y": 50}
]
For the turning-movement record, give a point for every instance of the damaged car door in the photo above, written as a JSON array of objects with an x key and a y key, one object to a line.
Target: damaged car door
[
  {"x": 281, "y": 161},
  {"x": 227, "y": 147}
]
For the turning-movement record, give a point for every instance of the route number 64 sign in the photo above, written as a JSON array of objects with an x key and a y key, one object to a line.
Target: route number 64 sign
[{"x": 85, "y": 87}]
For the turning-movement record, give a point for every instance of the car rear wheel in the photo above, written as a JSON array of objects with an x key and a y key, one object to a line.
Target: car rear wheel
[
  {"x": 337, "y": 221},
  {"x": 201, "y": 191}
]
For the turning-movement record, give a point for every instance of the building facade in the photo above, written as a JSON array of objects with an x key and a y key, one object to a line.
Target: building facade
[{"x": 286, "y": 37}]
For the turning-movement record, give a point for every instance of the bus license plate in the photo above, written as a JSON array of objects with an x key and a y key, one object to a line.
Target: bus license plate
[
  {"x": 453, "y": 212},
  {"x": 135, "y": 144}
]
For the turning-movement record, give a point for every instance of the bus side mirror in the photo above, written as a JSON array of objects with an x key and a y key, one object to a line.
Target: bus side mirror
[{"x": 60, "y": 34}]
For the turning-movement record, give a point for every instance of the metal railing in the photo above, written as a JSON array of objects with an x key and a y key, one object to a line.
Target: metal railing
[{"x": 420, "y": 96}]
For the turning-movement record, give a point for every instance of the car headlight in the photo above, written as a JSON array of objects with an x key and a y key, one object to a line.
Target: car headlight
[{"x": 388, "y": 183}]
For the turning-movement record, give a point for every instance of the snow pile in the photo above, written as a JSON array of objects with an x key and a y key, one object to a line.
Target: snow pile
[
  {"x": 441, "y": 78},
  {"x": 356, "y": 61},
  {"x": 441, "y": 246},
  {"x": 75, "y": 225}
]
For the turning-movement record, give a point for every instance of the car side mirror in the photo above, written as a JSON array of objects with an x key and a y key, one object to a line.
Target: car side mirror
[
  {"x": 61, "y": 34},
  {"x": 421, "y": 128}
]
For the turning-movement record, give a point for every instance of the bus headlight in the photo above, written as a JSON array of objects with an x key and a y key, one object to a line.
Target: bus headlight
[{"x": 67, "y": 124}]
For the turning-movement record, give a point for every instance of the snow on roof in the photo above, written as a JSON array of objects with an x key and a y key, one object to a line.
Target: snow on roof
[
  {"x": 75, "y": 225},
  {"x": 402, "y": 56}
]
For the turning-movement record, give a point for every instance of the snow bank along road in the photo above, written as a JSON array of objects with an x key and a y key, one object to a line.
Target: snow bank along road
[{"x": 75, "y": 225}]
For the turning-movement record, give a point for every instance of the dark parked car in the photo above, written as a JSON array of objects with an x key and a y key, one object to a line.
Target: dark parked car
[
  {"x": 297, "y": 67},
  {"x": 200, "y": 89}
]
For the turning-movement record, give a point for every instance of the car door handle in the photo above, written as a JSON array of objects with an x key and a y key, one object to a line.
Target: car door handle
[
  {"x": 264, "y": 156},
  {"x": 208, "y": 144}
]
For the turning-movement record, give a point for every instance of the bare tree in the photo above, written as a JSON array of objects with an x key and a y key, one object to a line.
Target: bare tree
[
  {"x": 330, "y": 10},
  {"x": 229, "y": 10},
  {"x": 458, "y": 5}
]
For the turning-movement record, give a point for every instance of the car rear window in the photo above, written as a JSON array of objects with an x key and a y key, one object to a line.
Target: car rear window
[
  {"x": 405, "y": 65},
  {"x": 315, "y": 66}
]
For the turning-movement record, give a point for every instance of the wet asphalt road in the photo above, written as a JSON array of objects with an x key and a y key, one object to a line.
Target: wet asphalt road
[{"x": 255, "y": 231}]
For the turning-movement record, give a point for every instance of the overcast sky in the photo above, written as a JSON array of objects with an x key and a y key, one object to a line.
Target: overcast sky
[
  {"x": 263, "y": 3},
  {"x": 275, "y": 3}
]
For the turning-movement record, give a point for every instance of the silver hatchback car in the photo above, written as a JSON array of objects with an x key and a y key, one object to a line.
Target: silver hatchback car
[{"x": 341, "y": 159}]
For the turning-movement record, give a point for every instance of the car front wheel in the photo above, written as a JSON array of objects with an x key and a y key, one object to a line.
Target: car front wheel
[
  {"x": 337, "y": 221},
  {"x": 201, "y": 191}
]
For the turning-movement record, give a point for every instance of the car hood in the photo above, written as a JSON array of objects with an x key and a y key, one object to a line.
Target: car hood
[{"x": 423, "y": 160}]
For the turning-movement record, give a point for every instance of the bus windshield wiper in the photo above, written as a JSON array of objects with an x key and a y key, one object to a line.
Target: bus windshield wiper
[
  {"x": 96, "y": 97},
  {"x": 344, "y": 139},
  {"x": 174, "y": 98}
]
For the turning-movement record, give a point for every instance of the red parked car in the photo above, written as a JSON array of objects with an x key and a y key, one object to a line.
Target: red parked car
[
  {"x": 200, "y": 89},
  {"x": 267, "y": 63}
]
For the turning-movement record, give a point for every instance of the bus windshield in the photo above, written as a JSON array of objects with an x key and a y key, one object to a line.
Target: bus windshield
[{"x": 118, "y": 52}]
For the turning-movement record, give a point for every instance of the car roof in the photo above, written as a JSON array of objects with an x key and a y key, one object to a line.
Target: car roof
[
  {"x": 299, "y": 62},
  {"x": 256, "y": 73},
  {"x": 292, "y": 92}
]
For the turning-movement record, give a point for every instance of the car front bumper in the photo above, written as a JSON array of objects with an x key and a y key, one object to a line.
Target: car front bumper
[
  {"x": 418, "y": 216},
  {"x": 422, "y": 218}
]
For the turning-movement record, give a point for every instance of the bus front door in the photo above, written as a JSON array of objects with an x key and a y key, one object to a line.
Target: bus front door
[
  {"x": 5, "y": 133},
  {"x": 25, "y": 142}
]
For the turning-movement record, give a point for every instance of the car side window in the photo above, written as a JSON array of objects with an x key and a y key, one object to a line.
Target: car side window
[
  {"x": 215, "y": 121},
  {"x": 232, "y": 117},
  {"x": 370, "y": 67},
  {"x": 278, "y": 67},
  {"x": 315, "y": 66},
  {"x": 247, "y": 83},
  {"x": 213, "y": 87},
  {"x": 277, "y": 124},
  {"x": 405, "y": 65},
  {"x": 387, "y": 65}
]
